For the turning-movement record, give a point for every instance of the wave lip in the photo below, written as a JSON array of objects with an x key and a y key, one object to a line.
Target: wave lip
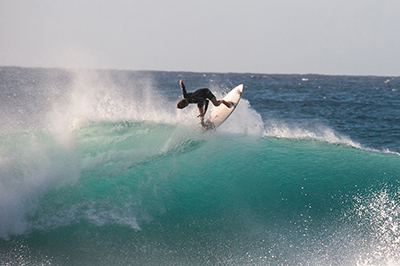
[{"x": 315, "y": 132}]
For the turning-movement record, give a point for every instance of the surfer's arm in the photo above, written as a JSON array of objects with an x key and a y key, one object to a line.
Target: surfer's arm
[
  {"x": 201, "y": 111},
  {"x": 205, "y": 107},
  {"x": 184, "y": 92},
  {"x": 202, "y": 108}
]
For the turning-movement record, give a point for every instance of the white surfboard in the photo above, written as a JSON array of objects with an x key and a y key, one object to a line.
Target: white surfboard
[{"x": 221, "y": 113}]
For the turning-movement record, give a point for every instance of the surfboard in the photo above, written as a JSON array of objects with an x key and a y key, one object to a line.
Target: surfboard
[{"x": 221, "y": 113}]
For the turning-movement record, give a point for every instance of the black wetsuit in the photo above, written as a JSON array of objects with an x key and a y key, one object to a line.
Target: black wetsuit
[{"x": 200, "y": 96}]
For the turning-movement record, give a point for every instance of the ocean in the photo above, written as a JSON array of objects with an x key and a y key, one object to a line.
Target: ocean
[{"x": 99, "y": 167}]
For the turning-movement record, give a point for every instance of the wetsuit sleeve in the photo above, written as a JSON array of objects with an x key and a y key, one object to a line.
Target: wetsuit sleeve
[{"x": 184, "y": 92}]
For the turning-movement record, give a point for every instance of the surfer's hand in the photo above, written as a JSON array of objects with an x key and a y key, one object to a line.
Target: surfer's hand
[
  {"x": 200, "y": 115},
  {"x": 181, "y": 81}
]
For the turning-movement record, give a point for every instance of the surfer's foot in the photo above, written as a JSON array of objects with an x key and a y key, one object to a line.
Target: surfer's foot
[{"x": 227, "y": 104}]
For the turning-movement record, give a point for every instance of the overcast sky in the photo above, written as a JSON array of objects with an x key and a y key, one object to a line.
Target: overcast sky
[{"x": 344, "y": 37}]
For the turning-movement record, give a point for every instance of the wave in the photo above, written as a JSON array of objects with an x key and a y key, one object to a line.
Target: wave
[
  {"x": 120, "y": 176},
  {"x": 81, "y": 127},
  {"x": 256, "y": 191}
]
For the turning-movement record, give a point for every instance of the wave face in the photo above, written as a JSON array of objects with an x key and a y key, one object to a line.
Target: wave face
[{"x": 100, "y": 168}]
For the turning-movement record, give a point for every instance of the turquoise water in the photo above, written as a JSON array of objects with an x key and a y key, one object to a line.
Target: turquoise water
[
  {"x": 149, "y": 194},
  {"x": 151, "y": 188}
]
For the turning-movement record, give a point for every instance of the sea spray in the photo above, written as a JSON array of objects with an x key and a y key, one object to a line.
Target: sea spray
[{"x": 379, "y": 211}]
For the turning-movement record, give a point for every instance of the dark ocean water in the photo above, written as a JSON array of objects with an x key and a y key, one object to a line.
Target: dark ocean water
[{"x": 100, "y": 168}]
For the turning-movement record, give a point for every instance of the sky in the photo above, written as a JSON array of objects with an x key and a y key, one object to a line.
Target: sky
[{"x": 335, "y": 37}]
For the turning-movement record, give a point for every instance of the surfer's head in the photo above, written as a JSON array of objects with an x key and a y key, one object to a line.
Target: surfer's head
[{"x": 182, "y": 104}]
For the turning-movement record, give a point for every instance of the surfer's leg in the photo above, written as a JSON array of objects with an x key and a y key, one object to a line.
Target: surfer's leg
[
  {"x": 227, "y": 104},
  {"x": 217, "y": 103}
]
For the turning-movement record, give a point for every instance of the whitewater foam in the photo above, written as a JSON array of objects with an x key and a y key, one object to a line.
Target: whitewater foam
[
  {"x": 317, "y": 132},
  {"x": 244, "y": 120},
  {"x": 31, "y": 166}
]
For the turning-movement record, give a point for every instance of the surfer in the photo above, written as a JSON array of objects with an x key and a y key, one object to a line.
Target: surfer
[{"x": 200, "y": 97}]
